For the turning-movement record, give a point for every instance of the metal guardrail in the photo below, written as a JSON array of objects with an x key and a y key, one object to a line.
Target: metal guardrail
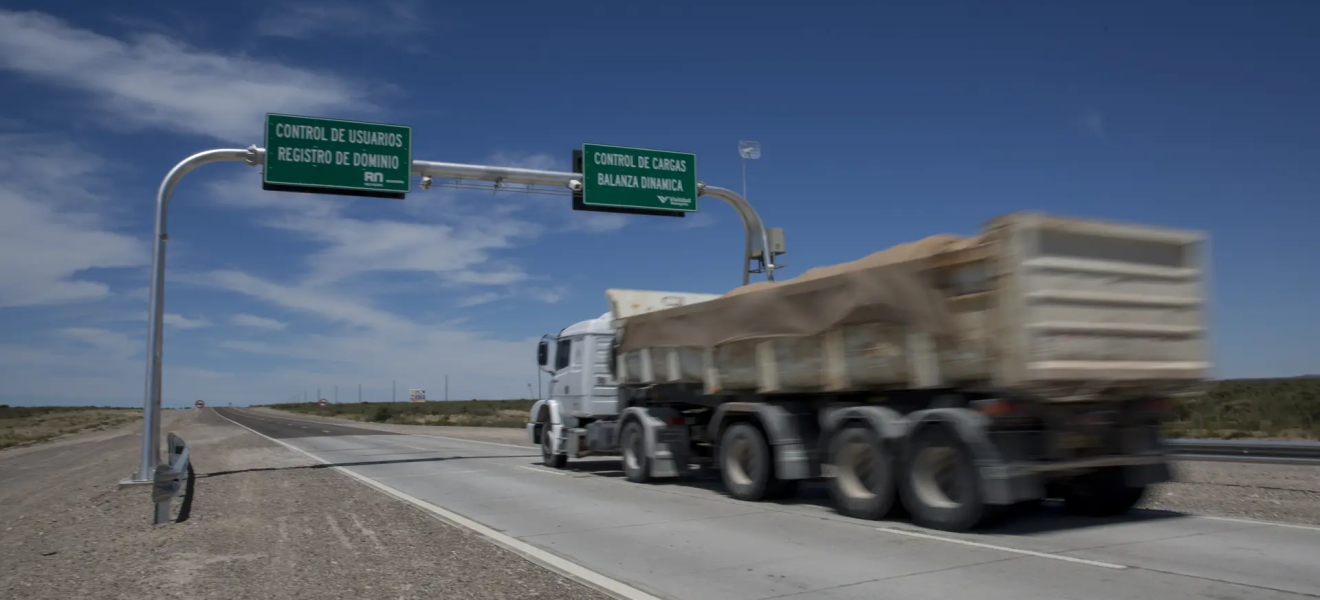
[
  {"x": 169, "y": 478},
  {"x": 1255, "y": 451}
]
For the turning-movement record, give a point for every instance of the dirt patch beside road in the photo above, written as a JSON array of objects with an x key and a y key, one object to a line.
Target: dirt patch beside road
[{"x": 266, "y": 523}]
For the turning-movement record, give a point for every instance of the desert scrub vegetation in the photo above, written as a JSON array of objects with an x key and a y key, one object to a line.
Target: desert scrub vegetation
[
  {"x": 24, "y": 425},
  {"x": 1282, "y": 408},
  {"x": 471, "y": 413}
]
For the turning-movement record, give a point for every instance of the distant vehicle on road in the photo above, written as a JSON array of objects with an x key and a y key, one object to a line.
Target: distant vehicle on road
[{"x": 954, "y": 376}]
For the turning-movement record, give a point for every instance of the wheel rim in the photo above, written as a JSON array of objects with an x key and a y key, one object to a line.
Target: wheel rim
[
  {"x": 855, "y": 470},
  {"x": 738, "y": 461},
  {"x": 935, "y": 477},
  {"x": 546, "y": 447},
  {"x": 631, "y": 461}
]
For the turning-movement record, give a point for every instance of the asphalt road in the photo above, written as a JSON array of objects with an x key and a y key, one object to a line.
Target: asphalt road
[{"x": 689, "y": 541}]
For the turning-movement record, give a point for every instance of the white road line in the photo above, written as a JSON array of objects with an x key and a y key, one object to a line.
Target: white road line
[
  {"x": 926, "y": 536},
  {"x": 546, "y": 559},
  {"x": 546, "y": 471},
  {"x": 325, "y": 431},
  {"x": 427, "y": 474},
  {"x": 1251, "y": 522}
]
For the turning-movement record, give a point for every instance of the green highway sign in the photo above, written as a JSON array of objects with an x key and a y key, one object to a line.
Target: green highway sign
[
  {"x": 635, "y": 178},
  {"x": 333, "y": 156}
]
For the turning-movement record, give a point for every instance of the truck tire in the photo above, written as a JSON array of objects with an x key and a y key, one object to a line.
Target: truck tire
[
  {"x": 745, "y": 464},
  {"x": 940, "y": 486},
  {"x": 548, "y": 457},
  {"x": 632, "y": 442},
  {"x": 1101, "y": 493},
  {"x": 863, "y": 483}
]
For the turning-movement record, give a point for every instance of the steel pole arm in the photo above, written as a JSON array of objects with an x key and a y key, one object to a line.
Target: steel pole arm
[{"x": 752, "y": 225}]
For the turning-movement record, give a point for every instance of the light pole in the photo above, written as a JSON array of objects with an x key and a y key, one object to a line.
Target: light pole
[{"x": 748, "y": 150}]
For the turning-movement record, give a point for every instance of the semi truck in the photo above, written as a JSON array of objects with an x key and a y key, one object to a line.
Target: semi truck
[{"x": 949, "y": 379}]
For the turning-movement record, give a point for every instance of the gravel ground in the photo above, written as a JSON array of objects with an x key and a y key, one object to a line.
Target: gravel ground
[
  {"x": 266, "y": 524},
  {"x": 1281, "y": 493}
]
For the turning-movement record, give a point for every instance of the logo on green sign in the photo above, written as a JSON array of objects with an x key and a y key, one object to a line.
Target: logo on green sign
[{"x": 620, "y": 177}]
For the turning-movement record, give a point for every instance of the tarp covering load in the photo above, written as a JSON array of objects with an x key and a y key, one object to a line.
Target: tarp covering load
[{"x": 886, "y": 287}]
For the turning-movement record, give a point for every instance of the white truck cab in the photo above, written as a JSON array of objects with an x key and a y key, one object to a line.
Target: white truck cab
[{"x": 582, "y": 383}]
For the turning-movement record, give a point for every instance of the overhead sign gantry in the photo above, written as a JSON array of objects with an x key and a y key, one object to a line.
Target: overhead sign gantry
[{"x": 334, "y": 156}]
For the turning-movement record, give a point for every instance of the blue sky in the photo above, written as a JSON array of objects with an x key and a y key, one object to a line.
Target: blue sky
[{"x": 880, "y": 124}]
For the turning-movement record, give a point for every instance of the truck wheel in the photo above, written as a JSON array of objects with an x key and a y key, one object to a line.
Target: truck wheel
[
  {"x": 745, "y": 464},
  {"x": 1102, "y": 493},
  {"x": 633, "y": 443},
  {"x": 863, "y": 482},
  {"x": 940, "y": 486},
  {"x": 548, "y": 457}
]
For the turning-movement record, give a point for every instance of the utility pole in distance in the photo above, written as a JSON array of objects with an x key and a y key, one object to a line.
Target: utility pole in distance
[
  {"x": 359, "y": 393},
  {"x": 394, "y": 385}
]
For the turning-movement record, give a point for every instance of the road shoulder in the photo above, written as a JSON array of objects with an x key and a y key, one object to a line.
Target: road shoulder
[{"x": 266, "y": 523}]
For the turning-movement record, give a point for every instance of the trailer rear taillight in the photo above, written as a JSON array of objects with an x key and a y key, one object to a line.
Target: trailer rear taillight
[
  {"x": 1157, "y": 405},
  {"x": 998, "y": 407}
]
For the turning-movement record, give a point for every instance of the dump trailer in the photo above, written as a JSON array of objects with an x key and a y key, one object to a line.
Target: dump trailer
[{"x": 953, "y": 377}]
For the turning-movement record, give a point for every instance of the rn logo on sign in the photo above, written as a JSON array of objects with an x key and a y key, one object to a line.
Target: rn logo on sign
[{"x": 373, "y": 177}]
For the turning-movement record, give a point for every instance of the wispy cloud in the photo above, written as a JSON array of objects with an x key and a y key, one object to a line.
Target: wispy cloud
[
  {"x": 330, "y": 307},
  {"x": 548, "y": 295},
  {"x": 155, "y": 81},
  {"x": 393, "y": 21},
  {"x": 479, "y": 299},
  {"x": 52, "y": 232},
  {"x": 255, "y": 322},
  {"x": 1092, "y": 122},
  {"x": 116, "y": 344},
  {"x": 458, "y": 247},
  {"x": 181, "y": 322}
]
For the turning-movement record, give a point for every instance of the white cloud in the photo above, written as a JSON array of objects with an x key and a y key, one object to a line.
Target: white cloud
[
  {"x": 379, "y": 20},
  {"x": 181, "y": 322},
  {"x": 458, "y": 246},
  {"x": 548, "y": 295},
  {"x": 479, "y": 299},
  {"x": 1092, "y": 122},
  {"x": 116, "y": 344},
  {"x": 159, "y": 82},
  {"x": 255, "y": 322},
  {"x": 698, "y": 220},
  {"x": 598, "y": 222},
  {"x": 51, "y": 228},
  {"x": 335, "y": 308}
]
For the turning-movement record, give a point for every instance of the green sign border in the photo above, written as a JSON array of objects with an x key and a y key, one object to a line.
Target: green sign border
[
  {"x": 696, "y": 180},
  {"x": 265, "y": 167}
]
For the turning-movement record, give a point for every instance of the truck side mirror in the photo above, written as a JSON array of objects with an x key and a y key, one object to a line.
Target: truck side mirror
[{"x": 542, "y": 353}]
